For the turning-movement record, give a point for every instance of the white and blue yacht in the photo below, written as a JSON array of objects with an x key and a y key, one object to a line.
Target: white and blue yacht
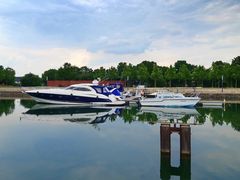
[{"x": 85, "y": 94}]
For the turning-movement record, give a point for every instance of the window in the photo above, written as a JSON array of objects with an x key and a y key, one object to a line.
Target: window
[
  {"x": 69, "y": 87},
  {"x": 167, "y": 97},
  {"x": 98, "y": 89},
  {"x": 81, "y": 89}
]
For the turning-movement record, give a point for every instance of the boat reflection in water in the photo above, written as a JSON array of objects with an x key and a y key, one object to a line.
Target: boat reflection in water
[
  {"x": 174, "y": 120},
  {"x": 71, "y": 113},
  {"x": 171, "y": 115}
]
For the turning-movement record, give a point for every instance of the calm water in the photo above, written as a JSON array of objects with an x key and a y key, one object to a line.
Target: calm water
[{"x": 49, "y": 142}]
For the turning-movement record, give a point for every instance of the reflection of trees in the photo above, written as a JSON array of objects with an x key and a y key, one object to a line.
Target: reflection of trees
[
  {"x": 220, "y": 116},
  {"x": 6, "y": 107},
  {"x": 202, "y": 117},
  {"x": 27, "y": 103},
  {"x": 129, "y": 114},
  {"x": 149, "y": 117}
]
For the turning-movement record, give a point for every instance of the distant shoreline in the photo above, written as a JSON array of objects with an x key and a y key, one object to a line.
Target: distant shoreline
[{"x": 229, "y": 94}]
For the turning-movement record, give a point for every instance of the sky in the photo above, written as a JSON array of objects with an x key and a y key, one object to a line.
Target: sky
[{"x": 38, "y": 35}]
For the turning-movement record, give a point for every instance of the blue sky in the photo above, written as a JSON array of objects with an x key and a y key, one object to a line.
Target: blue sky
[{"x": 39, "y": 35}]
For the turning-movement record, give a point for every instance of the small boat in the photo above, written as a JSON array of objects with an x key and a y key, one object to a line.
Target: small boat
[
  {"x": 169, "y": 99},
  {"x": 85, "y": 94}
]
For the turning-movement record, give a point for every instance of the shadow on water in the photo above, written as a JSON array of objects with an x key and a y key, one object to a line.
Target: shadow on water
[{"x": 7, "y": 106}]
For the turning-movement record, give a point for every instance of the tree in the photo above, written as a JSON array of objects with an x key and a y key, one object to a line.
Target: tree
[
  {"x": 112, "y": 73},
  {"x": 31, "y": 80},
  {"x": 217, "y": 71},
  {"x": 9, "y": 76},
  {"x": 199, "y": 74},
  {"x": 170, "y": 75},
  {"x": 149, "y": 65},
  {"x": 184, "y": 74},
  {"x": 99, "y": 73},
  {"x": 1, "y": 74},
  {"x": 156, "y": 75},
  {"x": 121, "y": 67},
  {"x": 85, "y": 73},
  {"x": 236, "y": 60},
  {"x": 180, "y": 63},
  {"x": 142, "y": 73},
  {"x": 51, "y": 74},
  {"x": 127, "y": 73},
  {"x": 68, "y": 72},
  {"x": 236, "y": 74}
]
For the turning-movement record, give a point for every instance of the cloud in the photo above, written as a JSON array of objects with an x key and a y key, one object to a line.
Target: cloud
[
  {"x": 103, "y": 33},
  {"x": 38, "y": 60},
  {"x": 90, "y": 3}
]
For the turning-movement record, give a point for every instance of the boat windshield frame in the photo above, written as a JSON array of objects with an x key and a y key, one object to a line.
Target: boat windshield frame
[{"x": 101, "y": 90}]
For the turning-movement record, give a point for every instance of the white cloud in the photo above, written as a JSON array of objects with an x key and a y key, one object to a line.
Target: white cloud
[
  {"x": 90, "y": 3},
  {"x": 38, "y": 60}
]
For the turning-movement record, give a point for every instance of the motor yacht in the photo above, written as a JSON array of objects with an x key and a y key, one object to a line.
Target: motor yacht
[
  {"x": 169, "y": 99},
  {"x": 86, "y": 94}
]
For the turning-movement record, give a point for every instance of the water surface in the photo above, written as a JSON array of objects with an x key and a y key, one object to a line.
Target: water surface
[{"x": 59, "y": 142}]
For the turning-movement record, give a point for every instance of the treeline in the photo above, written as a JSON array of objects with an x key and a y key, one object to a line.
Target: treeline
[
  {"x": 153, "y": 75},
  {"x": 146, "y": 72}
]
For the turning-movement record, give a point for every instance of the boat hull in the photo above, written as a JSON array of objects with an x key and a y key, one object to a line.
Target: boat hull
[
  {"x": 72, "y": 99},
  {"x": 183, "y": 102}
]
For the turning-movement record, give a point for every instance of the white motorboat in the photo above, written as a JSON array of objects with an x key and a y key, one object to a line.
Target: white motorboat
[
  {"x": 86, "y": 94},
  {"x": 169, "y": 99}
]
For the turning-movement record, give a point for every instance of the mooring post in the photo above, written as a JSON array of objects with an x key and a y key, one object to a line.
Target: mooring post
[
  {"x": 185, "y": 139},
  {"x": 165, "y": 138}
]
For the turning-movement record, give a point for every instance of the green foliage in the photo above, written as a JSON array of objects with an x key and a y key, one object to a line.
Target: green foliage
[
  {"x": 142, "y": 73},
  {"x": 6, "y": 107},
  {"x": 199, "y": 75},
  {"x": 170, "y": 75},
  {"x": 112, "y": 74},
  {"x": 31, "y": 80},
  {"x": 236, "y": 61},
  {"x": 99, "y": 73},
  {"x": 184, "y": 74},
  {"x": 7, "y": 76},
  {"x": 157, "y": 75}
]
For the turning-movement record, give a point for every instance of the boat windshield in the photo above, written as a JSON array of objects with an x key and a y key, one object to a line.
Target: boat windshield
[
  {"x": 69, "y": 88},
  {"x": 78, "y": 88},
  {"x": 101, "y": 90}
]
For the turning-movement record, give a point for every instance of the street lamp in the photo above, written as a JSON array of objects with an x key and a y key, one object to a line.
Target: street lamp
[{"x": 222, "y": 83}]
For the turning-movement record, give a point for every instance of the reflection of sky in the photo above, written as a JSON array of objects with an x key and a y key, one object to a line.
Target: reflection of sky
[
  {"x": 215, "y": 151},
  {"x": 114, "y": 150}
]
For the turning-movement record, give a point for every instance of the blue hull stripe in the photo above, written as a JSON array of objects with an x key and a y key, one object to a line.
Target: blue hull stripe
[{"x": 67, "y": 98}]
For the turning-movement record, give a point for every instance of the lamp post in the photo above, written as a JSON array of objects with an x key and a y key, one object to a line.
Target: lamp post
[{"x": 222, "y": 83}]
